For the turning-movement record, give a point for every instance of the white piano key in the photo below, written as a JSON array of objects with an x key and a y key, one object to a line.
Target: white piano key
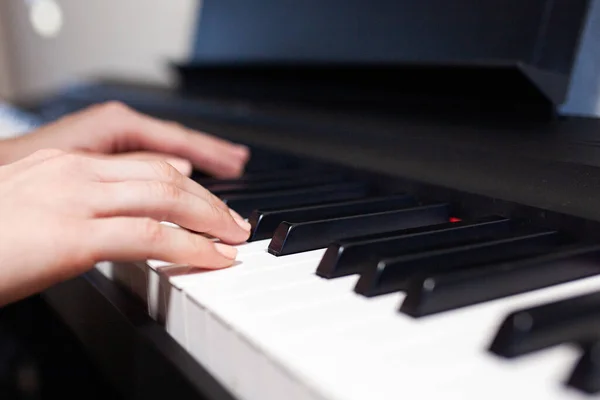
[
  {"x": 462, "y": 335},
  {"x": 138, "y": 281},
  {"x": 156, "y": 308},
  {"x": 152, "y": 280},
  {"x": 171, "y": 286},
  {"x": 213, "y": 346},
  {"x": 253, "y": 247},
  {"x": 251, "y": 283},
  {"x": 106, "y": 268},
  {"x": 270, "y": 327},
  {"x": 255, "y": 317}
]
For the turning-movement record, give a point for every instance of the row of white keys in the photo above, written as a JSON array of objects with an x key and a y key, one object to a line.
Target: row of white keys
[
  {"x": 165, "y": 282},
  {"x": 254, "y": 247},
  {"x": 135, "y": 277},
  {"x": 161, "y": 284},
  {"x": 338, "y": 357},
  {"x": 252, "y": 258},
  {"x": 143, "y": 278},
  {"x": 172, "y": 286}
]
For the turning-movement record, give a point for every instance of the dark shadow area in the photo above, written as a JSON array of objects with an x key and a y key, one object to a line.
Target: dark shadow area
[{"x": 40, "y": 359}]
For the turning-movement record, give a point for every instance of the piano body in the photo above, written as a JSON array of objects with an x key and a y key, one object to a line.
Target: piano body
[{"x": 426, "y": 223}]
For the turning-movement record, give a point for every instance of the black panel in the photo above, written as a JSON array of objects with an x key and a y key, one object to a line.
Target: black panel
[
  {"x": 538, "y": 32},
  {"x": 139, "y": 357},
  {"x": 330, "y": 53}
]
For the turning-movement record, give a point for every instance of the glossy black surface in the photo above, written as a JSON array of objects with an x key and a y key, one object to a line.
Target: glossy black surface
[
  {"x": 586, "y": 373},
  {"x": 136, "y": 354},
  {"x": 245, "y": 204},
  {"x": 350, "y": 256},
  {"x": 256, "y": 177},
  {"x": 573, "y": 320},
  {"x": 437, "y": 292},
  {"x": 393, "y": 274},
  {"x": 232, "y": 189},
  {"x": 290, "y": 238},
  {"x": 265, "y": 221},
  {"x": 542, "y": 32}
]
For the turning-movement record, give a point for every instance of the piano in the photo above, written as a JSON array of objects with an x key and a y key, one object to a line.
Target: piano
[{"x": 426, "y": 220}]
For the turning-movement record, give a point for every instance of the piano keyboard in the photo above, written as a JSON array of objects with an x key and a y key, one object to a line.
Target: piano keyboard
[{"x": 345, "y": 291}]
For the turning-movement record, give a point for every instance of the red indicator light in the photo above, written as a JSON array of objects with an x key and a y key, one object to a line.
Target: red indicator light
[{"x": 454, "y": 219}]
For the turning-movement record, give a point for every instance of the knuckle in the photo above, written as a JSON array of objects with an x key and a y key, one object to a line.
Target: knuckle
[
  {"x": 150, "y": 231},
  {"x": 73, "y": 162},
  {"x": 165, "y": 191},
  {"x": 195, "y": 242},
  {"x": 215, "y": 214},
  {"x": 45, "y": 154},
  {"x": 166, "y": 171},
  {"x": 218, "y": 204},
  {"x": 113, "y": 107}
]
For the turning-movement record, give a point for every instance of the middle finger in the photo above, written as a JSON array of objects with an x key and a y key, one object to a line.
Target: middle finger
[
  {"x": 164, "y": 202},
  {"x": 119, "y": 170}
]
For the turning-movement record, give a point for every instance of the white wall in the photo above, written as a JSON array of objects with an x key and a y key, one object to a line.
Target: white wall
[{"x": 128, "y": 38}]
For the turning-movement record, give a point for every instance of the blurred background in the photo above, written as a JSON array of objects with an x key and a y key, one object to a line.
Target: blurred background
[
  {"x": 135, "y": 39},
  {"x": 132, "y": 39}
]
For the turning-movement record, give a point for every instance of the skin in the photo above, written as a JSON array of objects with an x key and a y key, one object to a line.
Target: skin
[{"x": 95, "y": 185}]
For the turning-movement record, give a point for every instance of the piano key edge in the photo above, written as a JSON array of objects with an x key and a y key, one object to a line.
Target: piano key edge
[{"x": 136, "y": 355}]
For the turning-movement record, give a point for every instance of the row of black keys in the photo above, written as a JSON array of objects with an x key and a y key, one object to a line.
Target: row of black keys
[{"x": 397, "y": 243}]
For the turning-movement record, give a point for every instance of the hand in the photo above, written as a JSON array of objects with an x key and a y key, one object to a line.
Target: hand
[
  {"x": 113, "y": 128},
  {"x": 62, "y": 213}
]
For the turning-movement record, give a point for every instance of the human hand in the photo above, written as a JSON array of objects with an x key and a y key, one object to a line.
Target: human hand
[
  {"x": 62, "y": 213},
  {"x": 115, "y": 129}
]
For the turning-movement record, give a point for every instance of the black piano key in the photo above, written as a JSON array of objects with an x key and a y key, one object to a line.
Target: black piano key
[
  {"x": 200, "y": 176},
  {"x": 586, "y": 374},
  {"x": 348, "y": 257},
  {"x": 265, "y": 221},
  {"x": 572, "y": 320},
  {"x": 274, "y": 185},
  {"x": 290, "y": 238},
  {"x": 265, "y": 176},
  {"x": 390, "y": 275},
  {"x": 260, "y": 164},
  {"x": 244, "y": 204},
  {"x": 434, "y": 293},
  {"x": 265, "y": 160}
]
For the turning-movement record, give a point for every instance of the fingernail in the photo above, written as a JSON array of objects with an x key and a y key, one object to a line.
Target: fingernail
[
  {"x": 245, "y": 225},
  {"x": 242, "y": 151},
  {"x": 226, "y": 251}
]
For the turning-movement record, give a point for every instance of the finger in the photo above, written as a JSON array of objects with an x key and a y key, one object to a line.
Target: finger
[
  {"x": 182, "y": 165},
  {"x": 131, "y": 170},
  {"x": 124, "y": 239},
  {"x": 36, "y": 158},
  {"x": 165, "y": 202},
  {"x": 213, "y": 155}
]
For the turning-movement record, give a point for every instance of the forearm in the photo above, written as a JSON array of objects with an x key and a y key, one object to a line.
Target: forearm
[
  {"x": 15, "y": 148},
  {"x": 9, "y": 151}
]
